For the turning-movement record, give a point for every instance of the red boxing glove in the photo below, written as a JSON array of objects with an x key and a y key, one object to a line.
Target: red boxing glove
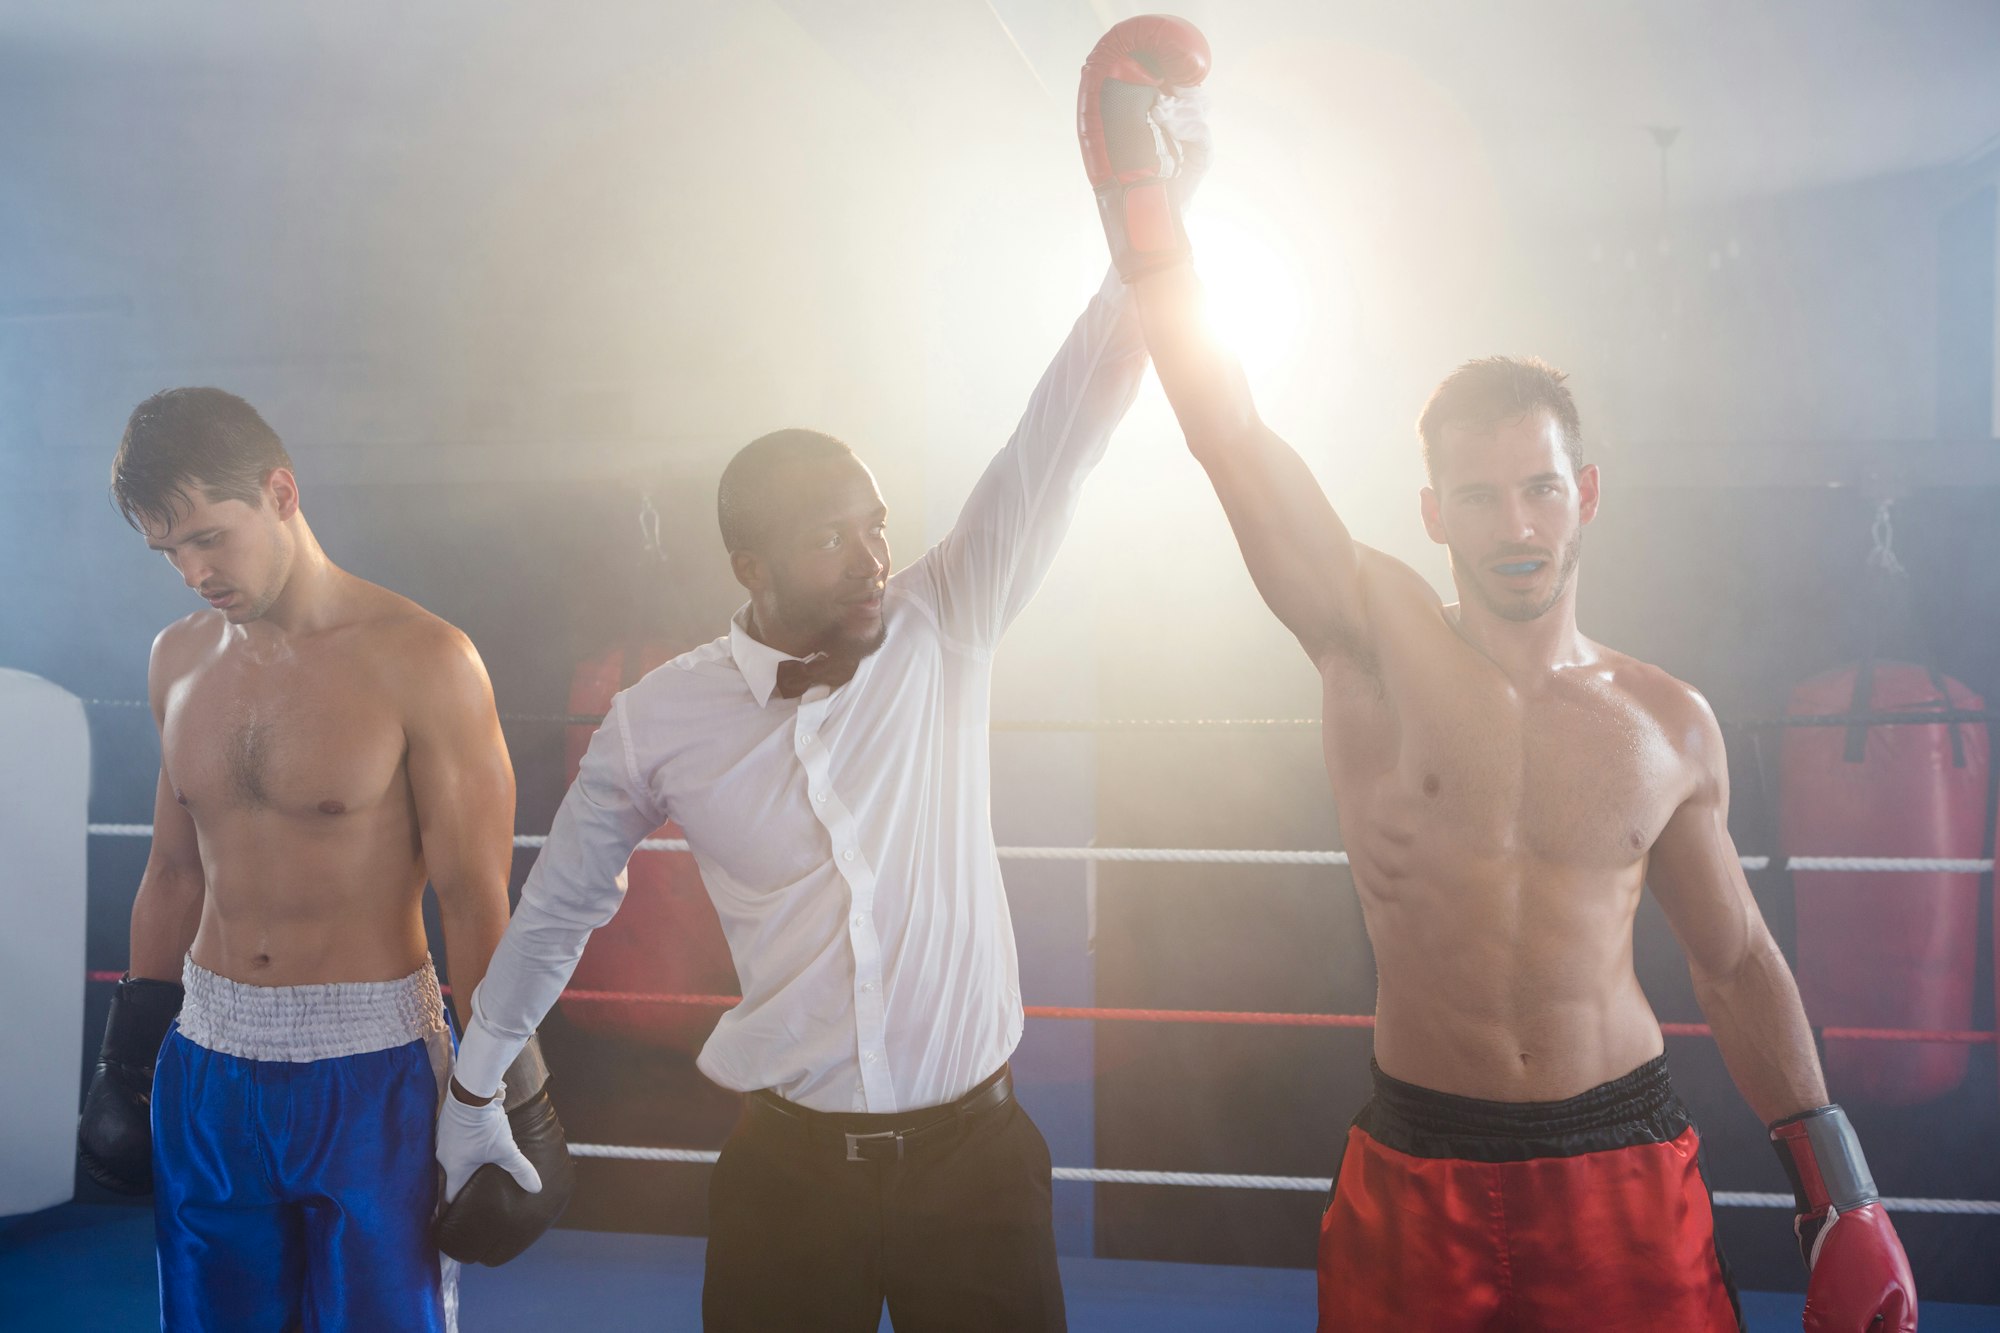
[
  {"x": 1129, "y": 162},
  {"x": 1860, "y": 1279}
]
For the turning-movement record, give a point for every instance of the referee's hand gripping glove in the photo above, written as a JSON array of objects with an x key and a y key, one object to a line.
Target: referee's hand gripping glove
[{"x": 507, "y": 1169}]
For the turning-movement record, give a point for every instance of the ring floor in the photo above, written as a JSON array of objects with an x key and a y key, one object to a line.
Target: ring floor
[{"x": 88, "y": 1268}]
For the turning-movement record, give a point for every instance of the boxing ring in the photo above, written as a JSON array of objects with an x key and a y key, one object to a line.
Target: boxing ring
[{"x": 49, "y": 1261}]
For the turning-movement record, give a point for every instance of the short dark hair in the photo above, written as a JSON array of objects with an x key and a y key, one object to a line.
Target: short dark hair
[
  {"x": 1493, "y": 389},
  {"x": 185, "y": 438},
  {"x": 747, "y": 500}
]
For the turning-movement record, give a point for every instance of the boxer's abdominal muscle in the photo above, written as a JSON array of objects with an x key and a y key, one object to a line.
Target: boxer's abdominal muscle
[
  {"x": 1499, "y": 855},
  {"x": 293, "y": 771}
]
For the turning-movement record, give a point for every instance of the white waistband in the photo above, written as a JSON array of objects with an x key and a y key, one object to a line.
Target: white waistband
[{"x": 300, "y": 1023}]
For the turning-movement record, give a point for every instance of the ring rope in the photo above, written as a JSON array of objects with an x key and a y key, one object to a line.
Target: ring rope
[
  {"x": 1302, "y": 1184},
  {"x": 1223, "y": 856},
  {"x": 1108, "y": 1176},
  {"x": 1248, "y": 1018},
  {"x": 1914, "y": 717},
  {"x": 691, "y": 1155},
  {"x": 1273, "y": 1019}
]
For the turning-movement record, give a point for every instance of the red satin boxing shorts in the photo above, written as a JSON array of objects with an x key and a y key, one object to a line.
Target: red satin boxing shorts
[{"x": 1453, "y": 1214}]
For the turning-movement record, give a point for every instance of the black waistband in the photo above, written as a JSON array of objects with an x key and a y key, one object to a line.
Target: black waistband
[
  {"x": 1639, "y": 1107},
  {"x": 866, "y": 1136}
]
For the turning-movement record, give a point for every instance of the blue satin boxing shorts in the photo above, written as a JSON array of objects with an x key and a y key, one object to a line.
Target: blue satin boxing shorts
[{"x": 294, "y": 1183}]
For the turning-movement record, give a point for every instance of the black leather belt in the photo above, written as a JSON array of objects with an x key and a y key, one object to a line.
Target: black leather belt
[{"x": 864, "y": 1137}]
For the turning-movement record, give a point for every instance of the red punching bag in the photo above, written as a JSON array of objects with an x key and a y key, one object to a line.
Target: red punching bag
[
  {"x": 666, "y": 938},
  {"x": 1886, "y": 949}
]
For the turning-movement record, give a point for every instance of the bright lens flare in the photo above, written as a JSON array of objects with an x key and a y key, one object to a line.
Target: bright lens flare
[{"x": 1256, "y": 295}]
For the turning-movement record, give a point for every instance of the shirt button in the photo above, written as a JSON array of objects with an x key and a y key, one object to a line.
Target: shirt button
[
  {"x": 872, "y": 1056},
  {"x": 856, "y": 920},
  {"x": 847, "y": 855},
  {"x": 819, "y": 796},
  {"x": 871, "y": 986},
  {"x": 806, "y": 739}
]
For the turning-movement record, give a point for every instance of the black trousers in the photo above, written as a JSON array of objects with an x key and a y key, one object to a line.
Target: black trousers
[{"x": 957, "y": 1234}]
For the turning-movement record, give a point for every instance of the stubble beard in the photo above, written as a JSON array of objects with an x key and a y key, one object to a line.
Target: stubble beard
[
  {"x": 831, "y": 640},
  {"x": 1522, "y": 612},
  {"x": 274, "y": 588}
]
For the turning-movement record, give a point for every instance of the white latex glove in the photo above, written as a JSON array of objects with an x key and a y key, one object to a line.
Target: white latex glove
[{"x": 468, "y": 1137}]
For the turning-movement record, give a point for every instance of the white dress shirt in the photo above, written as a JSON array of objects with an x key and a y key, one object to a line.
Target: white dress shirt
[{"x": 845, "y": 837}]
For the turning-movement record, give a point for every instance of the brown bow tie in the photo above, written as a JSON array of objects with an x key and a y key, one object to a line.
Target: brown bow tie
[{"x": 795, "y": 677}]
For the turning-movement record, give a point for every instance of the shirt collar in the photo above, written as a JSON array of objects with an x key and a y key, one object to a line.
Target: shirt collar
[{"x": 757, "y": 660}]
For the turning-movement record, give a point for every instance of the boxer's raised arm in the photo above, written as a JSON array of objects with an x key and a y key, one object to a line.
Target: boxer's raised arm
[
  {"x": 167, "y": 909},
  {"x": 463, "y": 786},
  {"x": 1741, "y": 979},
  {"x": 1145, "y": 146},
  {"x": 1299, "y": 552}
]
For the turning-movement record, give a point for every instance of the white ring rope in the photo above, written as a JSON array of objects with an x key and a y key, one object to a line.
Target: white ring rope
[
  {"x": 1106, "y": 1176},
  {"x": 1302, "y": 1184},
  {"x": 1221, "y": 856},
  {"x": 1211, "y": 856},
  {"x": 1160, "y": 724},
  {"x": 1959, "y": 1207},
  {"x": 1969, "y": 865},
  {"x": 643, "y": 1154},
  {"x": 1935, "y": 715}
]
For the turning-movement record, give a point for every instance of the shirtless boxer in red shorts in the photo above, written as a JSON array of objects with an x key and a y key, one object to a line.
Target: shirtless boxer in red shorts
[{"x": 1507, "y": 788}]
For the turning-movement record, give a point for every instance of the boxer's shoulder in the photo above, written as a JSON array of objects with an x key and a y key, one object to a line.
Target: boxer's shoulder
[
  {"x": 390, "y": 627},
  {"x": 195, "y": 630},
  {"x": 405, "y": 653},
  {"x": 179, "y": 647},
  {"x": 1677, "y": 708},
  {"x": 422, "y": 638},
  {"x": 1658, "y": 691}
]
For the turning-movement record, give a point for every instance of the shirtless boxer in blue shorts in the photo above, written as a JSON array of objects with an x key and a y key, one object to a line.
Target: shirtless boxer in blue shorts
[{"x": 327, "y": 747}]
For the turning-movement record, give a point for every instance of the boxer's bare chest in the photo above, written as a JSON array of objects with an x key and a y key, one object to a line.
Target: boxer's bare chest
[
  {"x": 1577, "y": 774},
  {"x": 306, "y": 732}
]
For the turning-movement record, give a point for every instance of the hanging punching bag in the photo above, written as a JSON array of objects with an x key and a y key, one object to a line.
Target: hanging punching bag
[
  {"x": 1886, "y": 949},
  {"x": 666, "y": 938}
]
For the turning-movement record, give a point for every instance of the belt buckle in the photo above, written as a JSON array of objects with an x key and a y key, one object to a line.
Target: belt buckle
[{"x": 854, "y": 1142}]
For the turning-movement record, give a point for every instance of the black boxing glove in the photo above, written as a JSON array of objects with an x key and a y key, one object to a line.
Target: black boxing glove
[
  {"x": 493, "y": 1217},
  {"x": 114, "y": 1136}
]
